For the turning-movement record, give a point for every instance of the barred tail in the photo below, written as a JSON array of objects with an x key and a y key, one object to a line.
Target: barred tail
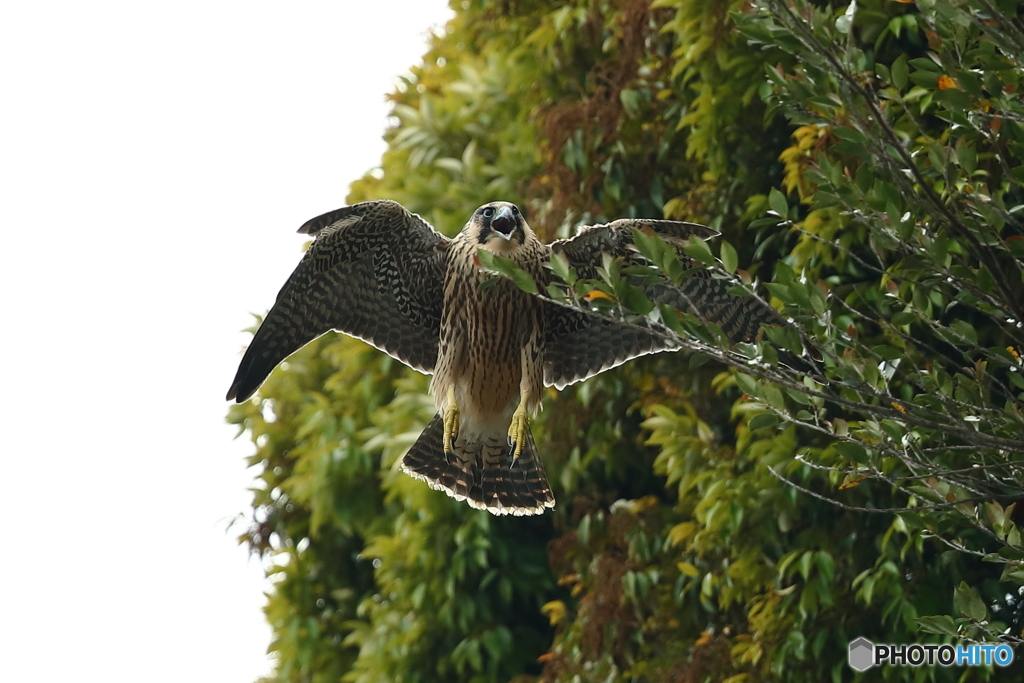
[{"x": 481, "y": 472}]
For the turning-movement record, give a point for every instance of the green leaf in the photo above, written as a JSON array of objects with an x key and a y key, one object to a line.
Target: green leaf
[
  {"x": 886, "y": 352},
  {"x": 903, "y": 318},
  {"x": 1011, "y": 574},
  {"x": 954, "y": 98},
  {"x": 899, "y": 72},
  {"x": 853, "y": 149},
  {"x": 865, "y": 178},
  {"x": 967, "y": 157},
  {"x": 925, "y": 64},
  {"x": 883, "y": 71},
  {"x": 804, "y": 564},
  {"x": 699, "y": 250},
  {"x": 1017, "y": 247},
  {"x": 780, "y": 292},
  {"x": 852, "y": 451},
  {"x": 761, "y": 222},
  {"x": 729, "y": 258},
  {"x": 845, "y": 22},
  {"x": 774, "y": 397},
  {"x": 763, "y": 421},
  {"x": 508, "y": 268},
  {"x": 688, "y": 569},
  {"x": 560, "y": 267},
  {"x": 648, "y": 246},
  {"x": 941, "y": 624},
  {"x": 747, "y": 384},
  {"x": 799, "y": 396},
  {"x": 968, "y": 603},
  {"x": 965, "y": 330},
  {"x": 777, "y": 202},
  {"x": 826, "y": 565},
  {"x": 630, "y": 101},
  {"x": 848, "y": 134},
  {"x": 635, "y": 300}
]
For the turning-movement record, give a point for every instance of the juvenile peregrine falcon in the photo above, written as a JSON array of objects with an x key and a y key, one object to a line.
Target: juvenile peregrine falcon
[{"x": 380, "y": 273}]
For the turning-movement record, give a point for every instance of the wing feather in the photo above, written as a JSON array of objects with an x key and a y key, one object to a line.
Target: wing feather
[
  {"x": 375, "y": 271},
  {"x": 583, "y": 346},
  {"x": 579, "y": 343},
  {"x": 616, "y": 238}
]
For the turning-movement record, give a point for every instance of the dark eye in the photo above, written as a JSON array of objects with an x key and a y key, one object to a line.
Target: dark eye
[
  {"x": 515, "y": 210},
  {"x": 488, "y": 212}
]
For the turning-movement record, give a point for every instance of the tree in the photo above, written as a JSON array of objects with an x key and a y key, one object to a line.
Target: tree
[{"x": 720, "y": 516}]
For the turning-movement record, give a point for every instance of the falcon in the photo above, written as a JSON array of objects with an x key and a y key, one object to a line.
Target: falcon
[{"x": 380, "y": 273}]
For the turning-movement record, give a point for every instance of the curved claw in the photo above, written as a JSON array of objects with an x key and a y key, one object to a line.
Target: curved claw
[
  {"x": 518, "y": 430},
  {"x": 451, "y": 422}
]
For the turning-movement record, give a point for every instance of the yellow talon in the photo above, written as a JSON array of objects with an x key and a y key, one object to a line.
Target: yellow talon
[
  {"x": 451, "y": 422},
  {"x": 519, "y": 429}
]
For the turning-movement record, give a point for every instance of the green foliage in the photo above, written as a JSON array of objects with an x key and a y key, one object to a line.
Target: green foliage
[
  {"x": 712, "y": 525},
  {"x": 507, "y": 267},
  {"x": 908, "y": 229}
]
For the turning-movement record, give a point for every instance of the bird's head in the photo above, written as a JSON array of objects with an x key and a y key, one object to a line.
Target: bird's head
[{"x": 499, "y": 227}]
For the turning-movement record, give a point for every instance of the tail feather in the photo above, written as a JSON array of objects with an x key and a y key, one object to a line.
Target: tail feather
[
  {"x": 517, "y": 483},
  {"x": 482, "y": 472},
  {"x": 428, "y": 461}
]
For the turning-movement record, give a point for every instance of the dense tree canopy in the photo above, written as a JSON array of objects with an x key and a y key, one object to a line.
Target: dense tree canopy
[{"x": 720, "y": 517}]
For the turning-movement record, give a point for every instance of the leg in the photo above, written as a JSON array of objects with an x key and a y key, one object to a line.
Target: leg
[
  {"x": 519, "y": 428},
  {"x": 531, "y": 385},
  {"x": 451, "y": 422}
]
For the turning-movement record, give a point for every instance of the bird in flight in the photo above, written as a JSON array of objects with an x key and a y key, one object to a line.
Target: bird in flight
[{"x": 380, "y": 273}]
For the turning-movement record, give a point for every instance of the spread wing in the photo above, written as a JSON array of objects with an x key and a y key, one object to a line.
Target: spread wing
[
  {"x": 581, "y": 346},
  {"x": 376, "y": 272},
  {"x": 616, "y": 238}
]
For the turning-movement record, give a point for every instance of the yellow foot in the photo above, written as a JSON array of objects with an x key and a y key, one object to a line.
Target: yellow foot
[
  {"x": 451, "y": 422},
  {"x": 519, "y": 429}
]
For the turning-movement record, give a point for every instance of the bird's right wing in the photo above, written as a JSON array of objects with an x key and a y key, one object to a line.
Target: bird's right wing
[{"x": 376, "y": 272}]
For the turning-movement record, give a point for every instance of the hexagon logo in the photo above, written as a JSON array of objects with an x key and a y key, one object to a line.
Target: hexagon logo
[{"x": 862, "y": 654}]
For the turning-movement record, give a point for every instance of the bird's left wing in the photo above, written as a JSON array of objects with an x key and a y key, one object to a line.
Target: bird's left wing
[
  {"x": 700, "y": 293},
  {"x": 579, "y": 343},
  {"x": 376, "y": 272},
  {"x": 616, "y": 239}
]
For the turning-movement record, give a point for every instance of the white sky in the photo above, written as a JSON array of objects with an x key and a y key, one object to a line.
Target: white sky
[{"x": 155, "y": 162}]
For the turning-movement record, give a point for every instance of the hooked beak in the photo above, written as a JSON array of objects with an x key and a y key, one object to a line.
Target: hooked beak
[{"x": 504, "y": 223}]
